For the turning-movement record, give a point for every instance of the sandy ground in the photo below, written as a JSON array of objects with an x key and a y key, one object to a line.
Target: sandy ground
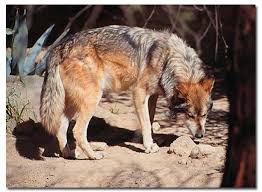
[{"x": 32, "y": 161}]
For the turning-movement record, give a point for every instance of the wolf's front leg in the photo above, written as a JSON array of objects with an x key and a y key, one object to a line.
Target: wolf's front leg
[{"x": 141, "y": 104}]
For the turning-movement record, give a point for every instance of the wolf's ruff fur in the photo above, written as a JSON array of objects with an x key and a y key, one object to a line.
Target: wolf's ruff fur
[{"x": 114, "y": 58}]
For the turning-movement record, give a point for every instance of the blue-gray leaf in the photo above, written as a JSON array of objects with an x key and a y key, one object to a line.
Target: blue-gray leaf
[
  {"x": 29, "y": 65},
  {"x": 42, "y": 65},
  {"x": 19, "y": 46},
  {"x": 8, "y": 66}
]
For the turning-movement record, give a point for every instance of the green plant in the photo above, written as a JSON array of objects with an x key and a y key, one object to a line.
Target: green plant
[
  {"x": 18, "y": 62},
  {"x": 12, "y": 107},
  {"x": 114, "y": 110}
]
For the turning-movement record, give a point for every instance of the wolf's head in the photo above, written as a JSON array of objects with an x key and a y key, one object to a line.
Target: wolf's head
[{"x": 198, "y": 103}]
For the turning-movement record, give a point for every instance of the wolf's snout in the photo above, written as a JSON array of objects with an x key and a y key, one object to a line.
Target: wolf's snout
[{"x": 199, "y": 135}]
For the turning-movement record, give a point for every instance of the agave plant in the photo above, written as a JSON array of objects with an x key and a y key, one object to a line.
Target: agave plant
[{"x": 17, "y": 61}]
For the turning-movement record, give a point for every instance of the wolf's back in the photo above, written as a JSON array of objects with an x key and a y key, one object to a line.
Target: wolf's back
[{"x": 52, "y": 96}]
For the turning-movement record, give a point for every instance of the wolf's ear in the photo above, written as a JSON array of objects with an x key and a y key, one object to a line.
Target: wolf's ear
[
  {"x": 208, "y": 84},
  {"x": 183, "y": 88}
]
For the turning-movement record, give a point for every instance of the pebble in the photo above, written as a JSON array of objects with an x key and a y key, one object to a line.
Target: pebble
[
  {"x": 196, "y": 153},
  {"x": 156, "y": 126}
]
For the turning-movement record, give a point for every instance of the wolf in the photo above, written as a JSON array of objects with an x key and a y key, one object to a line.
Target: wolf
[{"x": 116, "y": 58}]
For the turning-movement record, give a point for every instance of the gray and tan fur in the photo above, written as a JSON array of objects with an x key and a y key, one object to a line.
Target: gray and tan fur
[{"x": 117, "y": 58}]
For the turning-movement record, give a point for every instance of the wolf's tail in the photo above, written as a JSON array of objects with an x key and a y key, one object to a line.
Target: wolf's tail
[{"x": 52, "y": 96}]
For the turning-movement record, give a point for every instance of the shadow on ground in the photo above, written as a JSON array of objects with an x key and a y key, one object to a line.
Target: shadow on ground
[{"x": 31, "y": 136}]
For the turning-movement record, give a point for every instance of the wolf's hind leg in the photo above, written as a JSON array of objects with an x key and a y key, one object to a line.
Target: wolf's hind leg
[
  {"x": 62, "y": 136},
  {"x": 80, "y": 129}
]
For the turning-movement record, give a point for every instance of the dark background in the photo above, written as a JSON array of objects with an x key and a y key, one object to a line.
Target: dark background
[{"x": 189, "y": 22}]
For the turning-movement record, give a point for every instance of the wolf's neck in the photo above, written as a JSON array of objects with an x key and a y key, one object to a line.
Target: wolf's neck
[{"x": 182, "y": 65}]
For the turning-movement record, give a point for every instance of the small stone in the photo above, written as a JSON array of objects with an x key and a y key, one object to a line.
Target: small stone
[
  {"x": 195, "y": 153},
  {"x": 155, "y": 126},
  {"x": 183, "y": 161},
  {"x": 206, "y": 149}
]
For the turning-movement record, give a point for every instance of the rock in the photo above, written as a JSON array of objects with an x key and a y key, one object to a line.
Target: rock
[
  {"x": 98, "y": 146},
  {"x": 206, "y": 149},
  {"x": 182, "y": 146},
  {"x": 182, "y": 161},
  {"x": 155, "y": 126},
  {"x": 196, "y": 153},
  {"x": 218, "y": 152}
]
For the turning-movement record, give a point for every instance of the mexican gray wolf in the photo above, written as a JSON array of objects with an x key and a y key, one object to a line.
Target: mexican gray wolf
[{"x": 116, "y": 58}]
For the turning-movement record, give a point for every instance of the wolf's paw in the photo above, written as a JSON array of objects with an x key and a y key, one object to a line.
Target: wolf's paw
[
  {"x": 77, "y": 154},
  {"x": 153, "y": 148}
]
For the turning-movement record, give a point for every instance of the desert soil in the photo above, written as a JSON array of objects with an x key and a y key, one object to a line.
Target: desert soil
[{"x": 32, "y": 159}]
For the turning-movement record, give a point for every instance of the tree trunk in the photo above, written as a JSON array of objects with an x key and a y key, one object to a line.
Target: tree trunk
[{"x": 240, "y": 167}]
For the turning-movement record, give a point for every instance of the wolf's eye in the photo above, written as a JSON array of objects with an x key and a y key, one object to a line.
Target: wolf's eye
[
  {"x": 190, "y": 115},
  {"x": 203, "y": 115}
]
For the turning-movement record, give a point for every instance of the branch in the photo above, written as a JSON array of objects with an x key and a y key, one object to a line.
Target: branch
[
  {"x": 222, "y": 36},
  {"x": 215, "y": 26},
  {"x": 71, "y": 20},
  {"x": 198, "y": 8},
  {"x": 210, "y": 16},
  {"x": 216, "y": 48},
  {"x": 150, "y": 16},
  {"x": 40, "y": 8},
  {"x": 128, "y": 14},
  {"x": 178, "y": 12},
  {"x": 173, "y": 21},
  {"x": 205, "y": 32},
  {"x": 96, "y": 11},
  {"x": 169, "y": 14},
  {"x": 186, "y": 28}
]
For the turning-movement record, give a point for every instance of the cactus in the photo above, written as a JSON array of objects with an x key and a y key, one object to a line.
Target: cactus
[
  {"x": 42, "y": 65},
  {"x": 20, "y": 40},
  {"x": 17, "y": 62},
  {"x": 29, "y": 65}
]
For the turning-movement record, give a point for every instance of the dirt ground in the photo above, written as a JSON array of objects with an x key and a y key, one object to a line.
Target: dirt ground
[{"x": 32, "y": 160}]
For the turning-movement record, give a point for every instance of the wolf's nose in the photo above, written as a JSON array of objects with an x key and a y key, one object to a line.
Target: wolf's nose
[{"x": 198, "y": 135}]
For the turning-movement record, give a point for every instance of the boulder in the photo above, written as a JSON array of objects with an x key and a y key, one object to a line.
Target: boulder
[{"x": 182, "y": 146}]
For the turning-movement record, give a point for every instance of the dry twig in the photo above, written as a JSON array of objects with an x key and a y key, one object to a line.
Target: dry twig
[
  {"x": 150, "y": 16},
  {"x": 91, "y": 20},
  {"x": 71, "y": 20}
]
